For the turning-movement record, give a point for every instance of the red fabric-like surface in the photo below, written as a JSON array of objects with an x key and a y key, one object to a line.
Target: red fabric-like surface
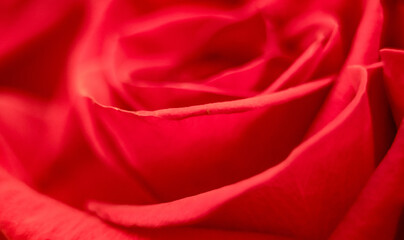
[{"x": 194, "y": 119}]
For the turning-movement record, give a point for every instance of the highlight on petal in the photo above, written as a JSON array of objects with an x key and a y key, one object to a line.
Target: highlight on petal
[
  {"x": 241, "y": 105},
  {"x": 146, "y": 96},
  {"x": 366, "y": 42}
]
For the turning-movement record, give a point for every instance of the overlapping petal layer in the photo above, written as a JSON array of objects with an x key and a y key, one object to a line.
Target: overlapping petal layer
[{"x": 194, "y": 119}]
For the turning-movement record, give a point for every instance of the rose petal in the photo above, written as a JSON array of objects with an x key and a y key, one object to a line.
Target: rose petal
[
  {"x": 245, "y": 78},
  {"x": 27, "y": 215},
  {"x": 24, "y": 120},
  {"x": 366, "y": 42},
  {"x": 23, "y": 64},
  {"x": 215, "y": 139},
  {"x": 301, "y": 69},
  {"x": 47, "y": 165},
  {"x": 377, "y": 210},
  {"x": 152, "y": 97},
  {"x": 394, "y": 75},
  {"x": 145, "y": 43},
  {"x": 394, "y": 19},
  {"x": 305, "y": 195}
]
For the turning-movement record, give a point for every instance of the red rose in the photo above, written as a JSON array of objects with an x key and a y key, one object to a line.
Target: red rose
[{"x": 201, "y": 119}]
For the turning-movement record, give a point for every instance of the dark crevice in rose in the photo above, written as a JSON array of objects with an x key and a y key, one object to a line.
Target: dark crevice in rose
[
  {"x": 155, "y": 98},
  {"x": 148, "y": 6},
  {"x": 400, "y": 227},
  {"x": 39, "y": 67},
  {"x": 228, "y": 48},
  {"x": 352, "y": 12},
  {"x": 231, "y": 47},
  {"x": 393, "y": 12},
  {"x": 170, "y": 39},
  {"x": 120, "y": 102},
  {"x": 2, "y": 236},
  {"x": 383, "y": 126},
  {"x": 273, "y": 69}
]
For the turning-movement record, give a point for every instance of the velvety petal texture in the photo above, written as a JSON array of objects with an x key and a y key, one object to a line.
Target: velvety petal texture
[{"x": 215, "y": 119}]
